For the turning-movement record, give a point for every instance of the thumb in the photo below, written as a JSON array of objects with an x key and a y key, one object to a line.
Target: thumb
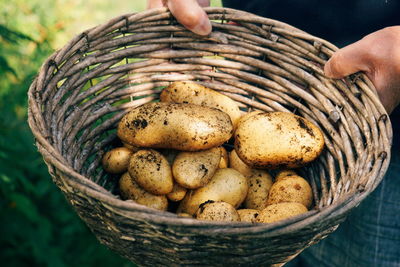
[
  {"x": 190, "y": 14},
  {"x": 348, "y": 60}
]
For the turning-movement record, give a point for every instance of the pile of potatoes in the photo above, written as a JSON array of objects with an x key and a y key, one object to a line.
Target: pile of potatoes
[{"x": 197, "y": 154}]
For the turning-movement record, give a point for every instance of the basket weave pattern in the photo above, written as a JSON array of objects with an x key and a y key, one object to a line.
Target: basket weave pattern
[{"x": 83, "y": 90}]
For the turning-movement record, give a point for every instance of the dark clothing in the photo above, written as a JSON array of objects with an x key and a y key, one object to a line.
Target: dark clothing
[
  {"x": 340, "y": 22},
  {"x": 370, "y": 237}
]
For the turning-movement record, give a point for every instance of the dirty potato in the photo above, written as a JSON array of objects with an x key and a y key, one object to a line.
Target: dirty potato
[
  {"x": 190, "y": 92},
  {"x": 177, "y": 194},
  {"x": 292, "y": 188},
  {"x": 280, "y": 211},
  {"x": 278, "y": 139},
  {"x": 224, "y": 163},
  {"x": 116, "y": 160},
  {"x": 247, "y": 115},
  {"x": 195, "y": 169},
  {"x": 151, "y": 170},
  {"x": 260, "y": 182},
  {"x": 248, "y": 215},
  {"x": 284, "y": 173},
  {"x": 226, "y": 185},
  {"x": 131, "y": 190},
  {"x": 236, "y": 163},
  {"x": 186, "y": 127},
  {"x": 217, "y": 211}
]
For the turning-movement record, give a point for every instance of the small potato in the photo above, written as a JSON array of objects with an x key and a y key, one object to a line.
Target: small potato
[
  {"x": 280, "y": 211},
  {"x": 217, "y": 211},
  {"x": 224, "y": 163},
  {"x": 236, "y": 163},
  {"x": 260, "y": 182},
  {"x": 151, "y": 170},
  {"x": 248, "y": 215},
  {"x": 186, "y": 127},
  {"x": 131, "y": 190},
  {"x": 190, "y": 92},
  {"x": 277, "y": 140},
  {"x": 291, "y": 189},
  {"x": 177, "y": 194},
  {"x": 284, "y": 173},
  {"x": 226, "y": 185},
  {"x": 116, "y": 160},
  {"x": 195, "y": 169}
]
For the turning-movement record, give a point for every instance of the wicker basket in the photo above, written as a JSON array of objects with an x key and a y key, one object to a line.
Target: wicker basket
[{"x": 83, "y": 90}]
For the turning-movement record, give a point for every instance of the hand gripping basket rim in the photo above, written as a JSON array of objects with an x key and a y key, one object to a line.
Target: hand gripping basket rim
[{"x": 87, "y": 196}]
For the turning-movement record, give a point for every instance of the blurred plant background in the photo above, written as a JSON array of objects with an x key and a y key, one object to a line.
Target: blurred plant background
[{"x": 37, "y": 226}]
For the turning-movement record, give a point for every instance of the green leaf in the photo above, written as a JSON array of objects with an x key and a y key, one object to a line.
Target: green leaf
[
  {"x": 5, "y": 67},
  {"x": 5, "y": 178},
  {"x": 25, "y": 205},
  {"x": 12, "y": 36}
]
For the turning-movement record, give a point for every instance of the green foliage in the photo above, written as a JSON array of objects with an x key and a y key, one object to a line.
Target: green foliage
[{"x": 38, "y": 226}]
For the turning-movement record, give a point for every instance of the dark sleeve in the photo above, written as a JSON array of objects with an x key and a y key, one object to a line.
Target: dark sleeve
[{"x": 340, "y": 21}]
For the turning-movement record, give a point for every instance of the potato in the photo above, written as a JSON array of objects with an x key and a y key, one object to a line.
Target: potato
[
  {"x": 284, "y": 173},
  {"x": 186, "y": 127},
  {"x": 217, "y": 211},
  {"x": 177, "y": 194},
  {"x": 151, "y": 170},
  {"x": 224, "y": 162},
  {"x": 291, "y": 189},
  {"x": 190, "y": 92},
  {"x": 195, "y": 169},
  {"x": 236, "y": 163},
  {"x": 131, "y": 190},
  {"x": 260, "y": 182},
  {"x": 280, "y": 211},
  {"x": 277, "y": 140},
  {"x": 116, "y": 160},
  {"x": 226, "y": 185},
  {"x": 248, "y": 215},
  {"x": 247, "y": 115}
]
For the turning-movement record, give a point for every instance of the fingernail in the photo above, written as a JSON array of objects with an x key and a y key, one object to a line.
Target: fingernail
[
  {"x": 204, "y": 27},
  {"x": 327, "y": 69}
]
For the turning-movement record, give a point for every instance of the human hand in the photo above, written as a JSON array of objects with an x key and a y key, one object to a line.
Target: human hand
[
  {"x": 378, "y": 55},
  {"x": 188, "y": 12}
]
